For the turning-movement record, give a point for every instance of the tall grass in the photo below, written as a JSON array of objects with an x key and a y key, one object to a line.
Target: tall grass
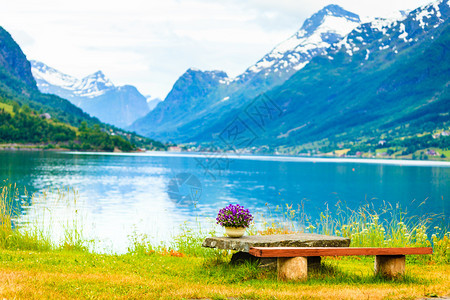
[
  {"x": 368, "y": 226},
  {"x": 50, "y": 222},
  {"x": 188, "y": 242},
  {"x": 36, "y": 228},
  {"x": 11, "y": 236}
]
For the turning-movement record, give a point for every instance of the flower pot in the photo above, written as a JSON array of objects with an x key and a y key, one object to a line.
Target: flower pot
[{"x": 235, "y": 232}]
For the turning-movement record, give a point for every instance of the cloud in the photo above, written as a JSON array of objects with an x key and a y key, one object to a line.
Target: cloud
[{"x": 149, "y": 44}]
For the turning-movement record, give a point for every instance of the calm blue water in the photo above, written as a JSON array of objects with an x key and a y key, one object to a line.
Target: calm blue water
[{"x": 155, "y": 193}]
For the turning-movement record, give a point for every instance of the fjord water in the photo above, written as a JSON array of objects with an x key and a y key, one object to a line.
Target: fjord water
[{"x": 155, "y": 193}]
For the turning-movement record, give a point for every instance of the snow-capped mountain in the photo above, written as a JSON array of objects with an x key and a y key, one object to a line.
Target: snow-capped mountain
[
  {"x": 335, "y": 75},
  {"x": 95, "y": 94},
  {"x": 395, "y": 34},
  {"x": 94, "y": 85},
  {"x": 387, "y": 76},
  {"x": 90, "y": 86},
  {"x": 318, "y": 33}
]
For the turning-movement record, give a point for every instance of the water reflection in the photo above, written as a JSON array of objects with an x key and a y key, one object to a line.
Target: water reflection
[{"x": 119, "y": 194}]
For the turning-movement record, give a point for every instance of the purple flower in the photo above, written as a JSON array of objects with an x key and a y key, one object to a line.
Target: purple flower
[{"x": 234, "y": 216}]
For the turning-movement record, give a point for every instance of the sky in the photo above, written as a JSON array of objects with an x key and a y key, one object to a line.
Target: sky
[{"x": 149, "y": 44}]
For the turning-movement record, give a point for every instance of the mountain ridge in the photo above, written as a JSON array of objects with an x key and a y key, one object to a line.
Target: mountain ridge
[
  {"x": 319, "y": 31},
  {"x": 13, "y": 60},
  {"x": 94, "y": 93},
  {"x": 351, "y": 90},
  {"x": 228, "y": 93},
  {"x": 369, "y": 57},
  {"x": 48, "y": 121}
]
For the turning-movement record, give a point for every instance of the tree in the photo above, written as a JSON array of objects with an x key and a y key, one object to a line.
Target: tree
[
  {"x": 16, "y": 107},
  {"x": 83, "y": 126},
  {"x": 26, "y": 109}
]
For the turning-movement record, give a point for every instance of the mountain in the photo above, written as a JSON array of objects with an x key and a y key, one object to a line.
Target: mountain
[
  {"x": 12, "y": 60},
  {"x": 385, "y": 77},
  {"x": 318, "y": 32},
  {"x": 17, "y": 84},
  {"x": 190, "y": 96},
  {"x": 29, "y": 116},
  {"x": 95, "y": 94}
]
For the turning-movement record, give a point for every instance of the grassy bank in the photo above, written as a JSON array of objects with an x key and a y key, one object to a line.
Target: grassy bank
[
  {"x": 32, "y": 265},
  {"x": 25, "y": 274}
]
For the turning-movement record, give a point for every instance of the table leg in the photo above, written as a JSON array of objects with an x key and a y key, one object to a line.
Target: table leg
[
  {"x": 390, "y": 266},
  {"x": 292, "y": 268}
]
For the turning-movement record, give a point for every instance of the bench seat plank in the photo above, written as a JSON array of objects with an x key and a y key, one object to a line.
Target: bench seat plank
[{"x": 333, "y": 251}]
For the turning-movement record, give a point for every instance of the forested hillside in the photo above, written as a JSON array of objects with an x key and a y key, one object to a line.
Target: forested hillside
[{"x": 31, "y": 117}]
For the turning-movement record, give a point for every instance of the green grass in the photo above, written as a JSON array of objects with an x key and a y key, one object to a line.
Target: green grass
[
  {"x": 32, "y": 265},
  {"x": 36, "y": 233},
  {"x": 386, "y": 226},
  {"x": 63, "y": 274},
  {"x": 8, "y": 108}
]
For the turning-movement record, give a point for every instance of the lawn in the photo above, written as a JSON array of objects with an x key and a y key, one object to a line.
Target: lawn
[{"x": 61, "y": 274}]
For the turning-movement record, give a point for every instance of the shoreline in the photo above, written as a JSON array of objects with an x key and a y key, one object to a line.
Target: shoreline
[
  {"x": 247, "y": 156},
  {"x": 278, "y": 158},
  {"x": 34, "y": 147}
]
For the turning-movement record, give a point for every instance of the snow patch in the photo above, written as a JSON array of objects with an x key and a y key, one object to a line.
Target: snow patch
[
  {"x": 381, "y": 24},
  {"x": 404, "y": 33},
  {"x": 90, "y": 86},
  {"x": 300, "y": 66},
  {"x": 295, "y": 52}
]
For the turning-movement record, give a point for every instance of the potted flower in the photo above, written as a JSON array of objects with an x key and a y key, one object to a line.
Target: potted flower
[{"x": 235, "y": 219}]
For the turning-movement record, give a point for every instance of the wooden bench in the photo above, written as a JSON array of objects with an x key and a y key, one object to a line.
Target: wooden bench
[{"x": 292, "y": 262}]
